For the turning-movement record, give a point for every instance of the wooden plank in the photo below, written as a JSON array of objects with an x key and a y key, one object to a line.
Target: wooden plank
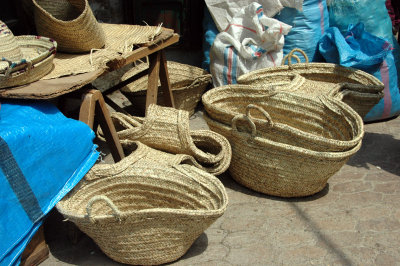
[
  {"x": 107, "y": 125},
  {"x": 152, "y": 85},
  {"x": 36, "y": 251},
  {"x": 139, "y": 53},
  {"x": 164, "y": 80}
]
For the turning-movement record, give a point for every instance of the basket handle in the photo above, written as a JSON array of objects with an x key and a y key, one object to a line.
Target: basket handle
[
  {"x": 261, "y": 110},
  {"x": 286, "y": 58},
  {"x": 116, "y": 211},
  {"x": 249, "y": 119},
  {"x": 245, "y": 117},
  {"x": 326, "y": 100},
  {"x": 291, "y": 54}
]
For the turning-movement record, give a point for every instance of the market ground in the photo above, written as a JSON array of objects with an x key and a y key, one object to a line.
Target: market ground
[{"x": 355, "y": 220}]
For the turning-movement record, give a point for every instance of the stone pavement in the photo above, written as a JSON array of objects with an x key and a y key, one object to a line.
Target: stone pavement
[{"x": 355, "y": 220}]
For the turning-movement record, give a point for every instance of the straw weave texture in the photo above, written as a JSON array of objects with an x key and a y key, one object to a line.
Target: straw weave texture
[
  {"x": 119, "y": 40},
  {"x": 357, "y": 88},
  {"x": 167, "y": 129},
  {"x": 276, "y": 168},
  {"x": 317, "y": 123},
  {"x": 70, "y": 22},
  {"x": 188, "y": 84},
  {"x": 9, "y": 49},
  {"x": 143, "y": 211}
]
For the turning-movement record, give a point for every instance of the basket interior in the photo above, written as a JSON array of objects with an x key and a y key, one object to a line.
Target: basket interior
[
  {"x": 148, "y": 185},
  {"x": 64, "y": 10}
]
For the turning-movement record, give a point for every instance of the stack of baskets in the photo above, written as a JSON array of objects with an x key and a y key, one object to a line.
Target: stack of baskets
[
  {"x": 283, "y": 144},
  {"x": 360, "y": 90},
  {"x": 188, "y": 84}
]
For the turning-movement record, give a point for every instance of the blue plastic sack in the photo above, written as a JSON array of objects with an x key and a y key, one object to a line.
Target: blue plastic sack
[
  {"x": 367, "y": 52},
  {"x": 43, "y": 155},
  {"x": 308, "y": 26},
  {"x": 210, "y": 33},
  {"x": 373, "y": 14}
]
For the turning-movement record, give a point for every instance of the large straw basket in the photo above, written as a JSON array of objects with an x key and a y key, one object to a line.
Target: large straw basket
[
  {"x": 357, "y": 88},
  {"x": 70, "y": 22},
  {"x": 188, "y": 84},
  {"x": 142, "y": 211},
  {"x": 317, "y": 123},
  {"x": 276, "y": 168}
]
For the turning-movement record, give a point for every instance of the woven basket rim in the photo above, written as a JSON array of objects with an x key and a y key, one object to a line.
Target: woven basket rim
[
  {"x": 37, "y": 42},
  {"x": 294, "y": 149},
  {"x": 298, "y": 67},
  {"x": 133, "y": 157}
]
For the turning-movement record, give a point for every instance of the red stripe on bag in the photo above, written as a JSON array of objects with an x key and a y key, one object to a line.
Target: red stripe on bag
[
  {"x": 321, "y": 9},
  {"x": 241, "y": 26},
  {"x": 273, "y": 61},
  {"x": 387, "y": 98}
]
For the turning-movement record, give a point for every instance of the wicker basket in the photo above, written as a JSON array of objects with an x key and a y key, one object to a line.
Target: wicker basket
[
  {"x": 37, "y": 60},
  {"x": 70, "y": 22},
  {"x": 317, "y": 123},
  {"x": 188, "y": 84},
  {"x": 357, "y": 88},
  {"x": 143, "y": 211},
  {"x": 167, "y": 129},
  {"x": 275, "y": 168}
]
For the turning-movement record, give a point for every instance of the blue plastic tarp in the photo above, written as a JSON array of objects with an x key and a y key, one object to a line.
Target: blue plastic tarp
[{"x": 43, "y": 155}]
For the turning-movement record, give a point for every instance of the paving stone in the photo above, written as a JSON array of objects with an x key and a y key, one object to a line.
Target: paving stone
[{"x": 353, "y": 186}]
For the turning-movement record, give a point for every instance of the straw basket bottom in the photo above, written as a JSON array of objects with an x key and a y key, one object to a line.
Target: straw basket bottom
[
  {"x": 278, "y": 169},
  {"x": 150, "y": 244},
  {"x": 278, "y": 179}
]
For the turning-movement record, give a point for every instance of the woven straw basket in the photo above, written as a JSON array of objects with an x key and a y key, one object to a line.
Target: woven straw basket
[
  {"x": 141, "y": 211},
  {"x": 316, "y": 123},
  {"x": 70, "y": 22},
  {"x": 25, "y": 58},
  {"x": 188, "y": 84},
  {"x": 209, "y": 151},
  {"x": 276, "y": 168},
  {"x": 357, "y": 88}
]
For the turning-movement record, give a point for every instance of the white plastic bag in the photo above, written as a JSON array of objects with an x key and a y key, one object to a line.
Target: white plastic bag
[
  {"x": 222, "y": 11},
  {"x": 251, "y": 41}
]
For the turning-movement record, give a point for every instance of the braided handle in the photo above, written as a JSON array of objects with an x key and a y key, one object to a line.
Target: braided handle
[
  {"x": 261, "y": 110},
  {"x": 116, "y": 211},
  {"x": 251, "y": 123},
  {"x": 291, "y": 55}
]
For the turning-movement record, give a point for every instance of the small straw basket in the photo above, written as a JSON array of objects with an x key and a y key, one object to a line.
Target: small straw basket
[
  {"x": 24, "y": 59},
  {"x": 188, "y": 84}
]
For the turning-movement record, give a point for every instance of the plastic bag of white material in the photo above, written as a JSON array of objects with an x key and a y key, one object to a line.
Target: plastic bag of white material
[
  {"x": 251, "y": 41},
  {"x": 222, "y": 11}
]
